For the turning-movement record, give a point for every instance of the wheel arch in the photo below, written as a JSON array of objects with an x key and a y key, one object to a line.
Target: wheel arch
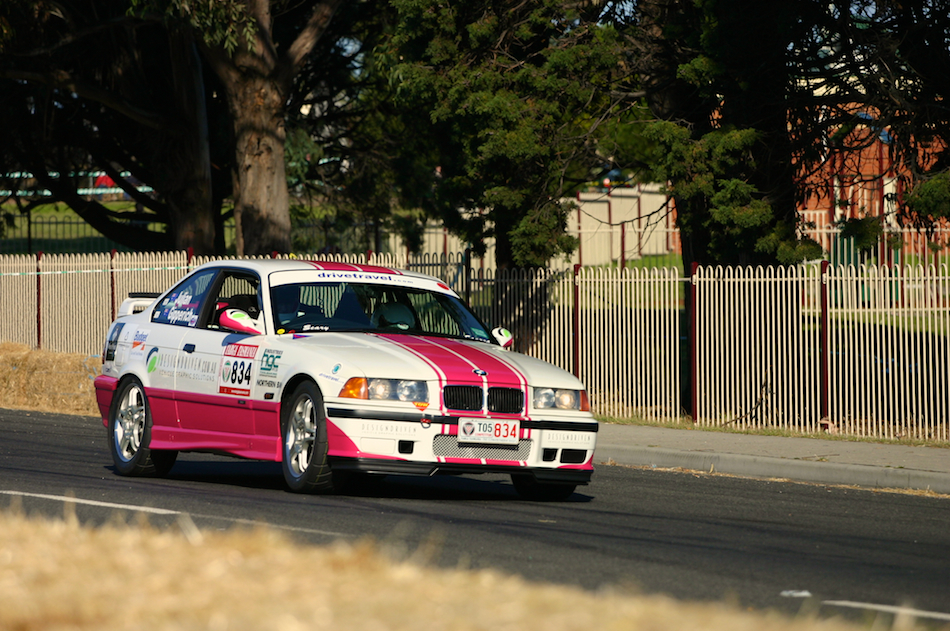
[
  {"x": 292, "y": 384},
  {"x": 120, "y": 383}
]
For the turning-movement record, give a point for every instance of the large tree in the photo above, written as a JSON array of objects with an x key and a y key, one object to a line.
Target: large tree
[
  {"x": 119, "y": 85},
  {"x": 513, "y": 94},
  {"x": 753, "y": 98},
  {"x": 87, "y": 89},
  {"x": 720, "y": 82},
  {"x": 256, "y": 48}
]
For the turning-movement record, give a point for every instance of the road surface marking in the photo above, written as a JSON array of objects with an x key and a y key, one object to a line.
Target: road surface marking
[{"x": 165, "y": 511}]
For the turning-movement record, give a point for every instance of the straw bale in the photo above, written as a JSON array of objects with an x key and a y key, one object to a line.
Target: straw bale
[{"x": 47, "y": 381}]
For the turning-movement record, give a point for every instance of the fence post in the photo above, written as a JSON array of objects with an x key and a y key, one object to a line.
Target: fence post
[
  {"x": 693, "y": 334},
  {"x": 623, "y": 244},
  {"x": 580, "y": 234},
  {"x": 112, "y": 283},
  {"x": 467, "y": 262},
  {"x": 39, "y": 302},
  {"x": 823, "y": 334},
  {"x": 577, "y": 323}
]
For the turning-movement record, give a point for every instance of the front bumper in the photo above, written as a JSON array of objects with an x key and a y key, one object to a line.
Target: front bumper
[
  {"x": 403, "y": 467},
  {"x": 552, "y": 450}
]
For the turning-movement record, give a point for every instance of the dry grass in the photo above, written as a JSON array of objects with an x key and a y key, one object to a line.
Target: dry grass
[
  {"x": 47, "y": 381},
  {"x": 60, "y": 575}
]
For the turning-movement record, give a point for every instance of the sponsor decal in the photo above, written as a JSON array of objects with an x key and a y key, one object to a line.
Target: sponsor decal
[
  {"x": 237, "y": 370},
  {"x": 466, "y": 428},
  {"x": 113, "y": 341},
  {"x": 269, "y": 362},
  {"x": 138, "y": 342},
  {"x": 332, "y": 376},
  {"x": 179, "y": 308},
  {"x": 365, "y": 276},
  {"x": 269, "y": 383},
  {"x": 578, "y": 439},
  {"x": 243, "y": 351},
  {"x": 151, "y": 362},
  {"x": 196, "y": 369},
  {"x": 388, "y": 429}
]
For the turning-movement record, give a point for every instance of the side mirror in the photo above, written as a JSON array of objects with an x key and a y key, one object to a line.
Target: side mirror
[
  {"x": 503, "y": 337},
  {"x": 239, "y": 322}
]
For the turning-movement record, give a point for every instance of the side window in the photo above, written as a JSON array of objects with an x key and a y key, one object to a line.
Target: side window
[
  {"x": 237, "y": 290},
  {"x": 183, "y": 305}
]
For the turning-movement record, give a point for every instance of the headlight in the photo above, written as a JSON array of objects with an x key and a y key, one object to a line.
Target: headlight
[
  {"x": 549, "y": 398},
  {"x": 380, "y": 389},
  {"x": 412, "y": 391},
  {"x": 415, "y": 392}
]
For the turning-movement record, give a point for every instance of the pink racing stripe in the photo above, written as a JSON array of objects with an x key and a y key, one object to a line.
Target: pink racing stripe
[
  {"x": 587, "y": 466},
  {"x": 440, "y": 374},
  {"x": 339, "y": 444},
  {"x": 458, "y": 360},
  {"x": 333, "y": 266},
  {"x": 462, "y": 460}
]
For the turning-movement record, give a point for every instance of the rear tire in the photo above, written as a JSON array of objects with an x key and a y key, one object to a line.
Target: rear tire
[
  {"x": 303, "y": 429},
  {"x": 530, "y": 489},
  {"x": 130, "y": 433}
]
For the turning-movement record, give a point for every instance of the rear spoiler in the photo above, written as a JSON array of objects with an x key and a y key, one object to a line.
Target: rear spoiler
[{"x": 137, "y": 302}]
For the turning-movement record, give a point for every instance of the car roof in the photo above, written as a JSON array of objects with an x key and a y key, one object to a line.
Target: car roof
[{"x": 265, "y": 267}]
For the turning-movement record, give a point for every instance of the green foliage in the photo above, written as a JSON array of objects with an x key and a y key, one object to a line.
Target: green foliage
[
  {"x": 540, "y": 235},
  {"x": 513, "y": 91},
  {"x": 224, "y": 23},
  {"x": 7, "y": 221},
  {"x": 301, "y": 152},
  {"x": 931, "y": 197},
  {"x": 700, "y": 71},
  {"x": 866, "y": 231}
]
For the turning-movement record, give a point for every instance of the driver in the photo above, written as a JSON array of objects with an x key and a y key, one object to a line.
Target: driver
[{"x": 286, "y": 303}]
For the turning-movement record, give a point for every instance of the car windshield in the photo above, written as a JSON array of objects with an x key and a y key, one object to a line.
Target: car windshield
[{"x": 314, "y": 307}]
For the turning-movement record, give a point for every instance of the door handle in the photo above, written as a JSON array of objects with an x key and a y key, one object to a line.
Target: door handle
[{"x": 189, "y": 348}]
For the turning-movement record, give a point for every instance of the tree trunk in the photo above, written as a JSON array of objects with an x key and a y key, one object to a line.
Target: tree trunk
[
  {"x": 262, "y": 207},
  {"x": 188, "y": 191}
]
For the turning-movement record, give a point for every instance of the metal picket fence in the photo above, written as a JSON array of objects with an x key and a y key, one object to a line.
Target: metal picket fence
[
  {"x": 860, "y": 350},
  {"x": 854, "y": 350}
]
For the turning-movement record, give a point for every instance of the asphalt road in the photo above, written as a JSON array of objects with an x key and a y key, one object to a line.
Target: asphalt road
[{"x": 761, "y": 544}]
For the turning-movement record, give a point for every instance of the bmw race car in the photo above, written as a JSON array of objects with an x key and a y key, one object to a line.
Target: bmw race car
[{"x": 334, "y": 369}]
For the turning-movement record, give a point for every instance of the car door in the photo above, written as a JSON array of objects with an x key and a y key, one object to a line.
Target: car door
[
  {"x": 217, "y": 367},
  {"x": 158, "y": 344}
]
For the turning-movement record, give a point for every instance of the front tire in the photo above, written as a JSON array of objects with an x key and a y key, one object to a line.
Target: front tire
[
  {"x": 303, "y": 428},
  {"x": 130, "y": 433},
  {"x": 530, "y": 489}
]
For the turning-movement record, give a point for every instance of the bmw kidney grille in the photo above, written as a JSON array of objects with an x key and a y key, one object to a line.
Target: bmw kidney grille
[{"x": 471, "y": 399}]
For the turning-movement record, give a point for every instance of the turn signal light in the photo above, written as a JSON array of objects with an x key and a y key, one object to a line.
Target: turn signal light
[
  {"x": 355, "y": 388},
  {"x": 585, "y": 401}
]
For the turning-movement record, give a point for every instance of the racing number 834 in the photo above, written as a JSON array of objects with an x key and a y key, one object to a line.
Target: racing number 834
[{"x": 238, "y": 373}]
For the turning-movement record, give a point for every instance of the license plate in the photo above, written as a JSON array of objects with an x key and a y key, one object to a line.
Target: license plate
[{"x": 485, "y": 430}]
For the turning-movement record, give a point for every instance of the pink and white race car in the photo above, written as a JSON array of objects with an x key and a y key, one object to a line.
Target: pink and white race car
[{"x": 334, "y": 369}]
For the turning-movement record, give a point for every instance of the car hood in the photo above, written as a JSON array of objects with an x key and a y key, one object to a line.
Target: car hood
[{"x": 429, "y": 358}]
